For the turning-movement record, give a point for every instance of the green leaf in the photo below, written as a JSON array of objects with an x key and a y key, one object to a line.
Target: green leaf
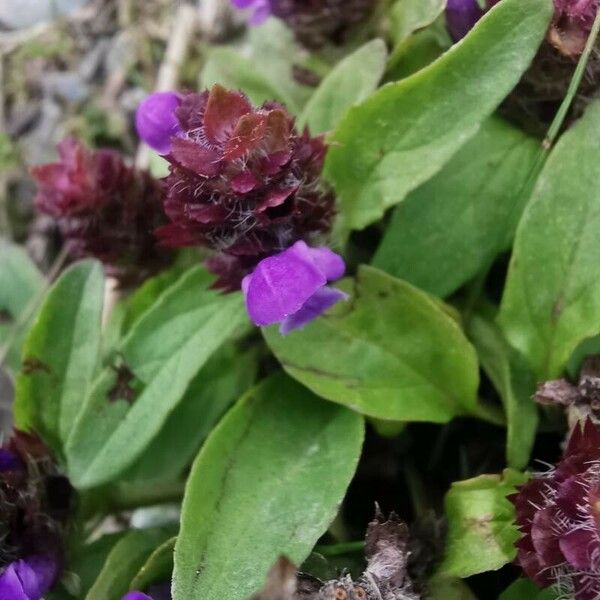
[
  {"x": 391, "y": 352},
  {"x": 60, "y": 354},
  {"x": 454, "y": 225},
  {"x": 157, "y": 568},
  {"x": 552, "y": 297},
  {"x": 20, "y": 283},
  {"x": 404, "y": 133},
  {"x": 481, "y": 532},
  {"x": 221, "y": 381},
  {"x": 164, "y": 350},
  {"x": 124, "y": 561},
  {"x": 515, "y": 383},
  {"x": 232, "y": 70},
  {"x": 525, "y": 589},
  {"x": 351, "y": 81},
  {"x": 267, "y": 482},
  {"x": 408, "y": 16},
  {"x": 448, "y": 588}
]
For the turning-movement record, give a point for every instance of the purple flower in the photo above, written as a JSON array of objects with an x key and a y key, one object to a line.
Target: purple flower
[
  {"x": 290, "y": 287},
  {"x": 9, "y": 461},
  {"x": 571, "y": 25},
  {"x": 27, "y": 579},
  {"x": 261, "y": 9},
  {"x": 156, "y": 122},
  {"x": 462, "y": 15},
  {"x": 161, "y": 591}
]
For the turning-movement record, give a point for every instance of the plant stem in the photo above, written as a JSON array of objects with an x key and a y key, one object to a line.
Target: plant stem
[{"x": 565, "y": 105}]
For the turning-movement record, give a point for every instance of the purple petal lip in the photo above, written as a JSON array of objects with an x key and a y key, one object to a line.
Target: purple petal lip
[
  {"x": 156, "y": 122},
  {"x": 136, "y": 596},
  {"x": 461, "y": 16},
  {"x": 27, "y": 579},
  {"x": 290, "y": 287}
]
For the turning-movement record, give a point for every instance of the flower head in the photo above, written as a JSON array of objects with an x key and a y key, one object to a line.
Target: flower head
[
  {"x": 559, "y": 515},
  {"x": 290, "y": 288},
  {"x": 243, "y": 182},
  {"x": 261, "y": 9},
  {"x": 572, "y": 24},
  {"x": 104, "y": 209},
  {"x": 155, "y": 120},
  {"x": 318, "y": 22}
]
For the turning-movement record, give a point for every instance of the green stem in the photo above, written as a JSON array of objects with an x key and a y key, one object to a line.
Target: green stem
[{"x": 565, "y": 105}]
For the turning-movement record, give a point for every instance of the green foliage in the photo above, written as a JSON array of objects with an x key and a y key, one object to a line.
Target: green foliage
[
  {"x": 267, "y": 482},
  {"x": 454, "y": 225},
  {"x": 60, "y": 355},
  {"x": 551, "y": 300},
  {"x": 515, "y": 384},
  {"x": 403, "y": 134},
  {"x": 20, "y": 284},
  {"x": 524, "y": 589},
  {"x": 391, "y": 352},
  {"x": 124, "y": 561},
  {"x": 162, "y": 353},
  {"x": 481, "y": 533},
  {"x": 349, "y": 82},
  {"x": 408, "y": 16}
]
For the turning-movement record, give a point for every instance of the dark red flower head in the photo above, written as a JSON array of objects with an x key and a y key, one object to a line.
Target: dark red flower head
[
  {"x": 36, "y": 501},
  {"x": 243, "y": 181},
  {"x": 559, "y": 515},
  {"x": 104, "y": 209},
  {"x": 317, "y": 22},
  {"x": 572, "y": 24}
]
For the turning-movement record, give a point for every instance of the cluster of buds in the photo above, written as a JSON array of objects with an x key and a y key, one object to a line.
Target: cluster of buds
[
  {"x": 570, "y": 27},
  {"x": 35, "y": 503},
  {"x": 104, "y": 209},
  {"x": 245, "y": 184},
  {"x": 314, "y": 22},
  {"x": 558, "y": 513}
]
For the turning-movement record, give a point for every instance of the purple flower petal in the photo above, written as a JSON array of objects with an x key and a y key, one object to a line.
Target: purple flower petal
[
  {"x": 156, "y": 122},
  {"x": 576, "y": 548},
  {"x": 9, "y": 461},
  {"x": 315, "y": 306},
  {"x": 281, "y": 284},
  {"x": 27, "y": 579},
  {"x": 262, "y": 9},
  {"x": 136, "y": 596},
  {"x": 461, "y": 16},
  {"x": 329, "y": 263}
]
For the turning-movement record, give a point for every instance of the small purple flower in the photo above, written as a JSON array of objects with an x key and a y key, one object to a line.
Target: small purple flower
[
  {"x": 290, "y": 287},
  {"x": 156, "y": 122},
  {"x": 462, "y": 15},
  {"x": 9, "y": 461},
  {"x": 261, "y": 8},
  {"x": 136, "y": 596},
  {"x": 27, "y": 579}
]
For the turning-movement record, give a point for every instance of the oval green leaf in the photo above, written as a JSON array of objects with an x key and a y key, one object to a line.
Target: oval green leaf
[
  {"x": 267, "y": 482},
  {"x": 392, "y": 352},
  {"x": 350, "y": 82},
  {"x": 404, "y": 133},
  {"x": 60, "y": 354},
  {"x": 551, "y": 302}
]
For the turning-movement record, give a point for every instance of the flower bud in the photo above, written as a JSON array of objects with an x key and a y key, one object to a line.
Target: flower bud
[
  {"x": 104, "y": 209},
  {"x": 155, "y": 120}
]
